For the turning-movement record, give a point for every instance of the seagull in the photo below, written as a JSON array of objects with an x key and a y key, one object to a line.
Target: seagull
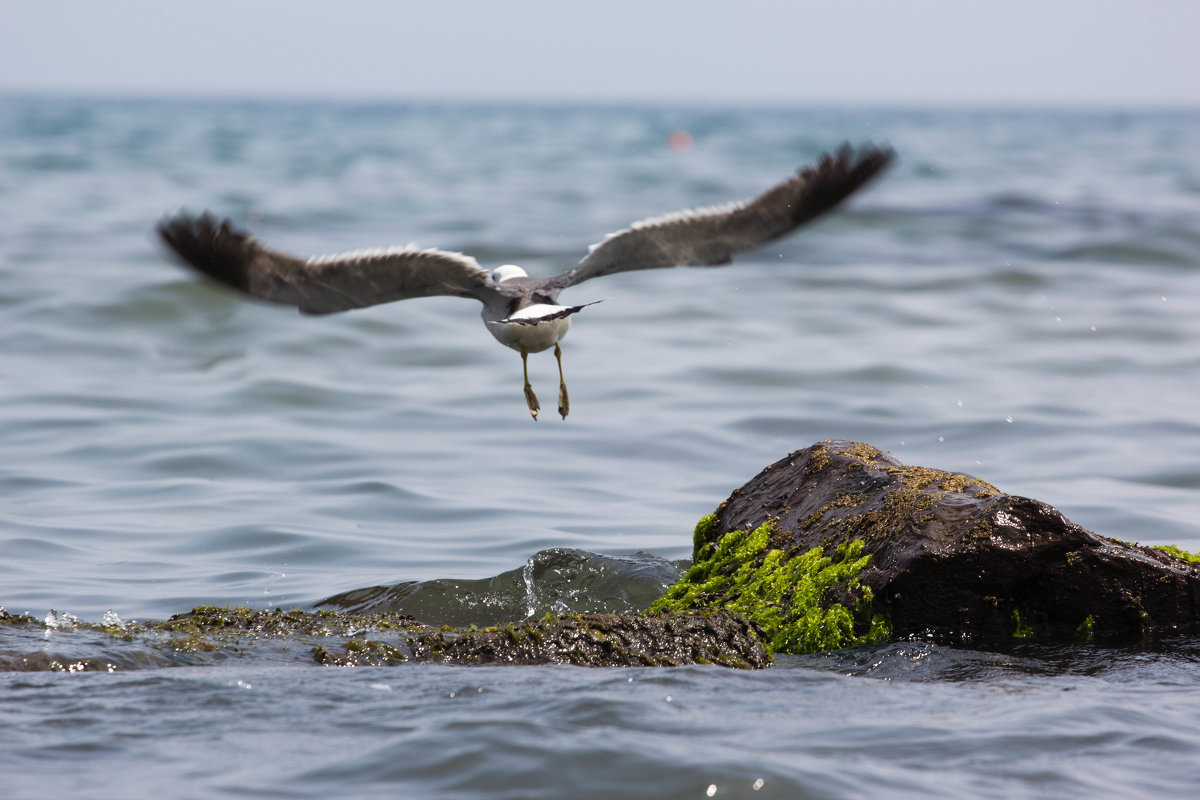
[{"x": 520, "y": 311}]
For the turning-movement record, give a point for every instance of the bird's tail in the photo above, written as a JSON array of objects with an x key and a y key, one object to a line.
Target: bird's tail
[{"x": 558, "y": 313}]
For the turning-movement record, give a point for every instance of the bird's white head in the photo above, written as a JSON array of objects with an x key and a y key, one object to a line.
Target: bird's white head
[{"x": 506, "y": 271}]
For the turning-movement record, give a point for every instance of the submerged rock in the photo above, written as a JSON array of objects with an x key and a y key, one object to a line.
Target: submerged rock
[
  {"x": 591, "y": 640},
  {"x": 210, "y": 620},
  {"x": 210, "y": 634},
  {"x": 840, "y": 543}
]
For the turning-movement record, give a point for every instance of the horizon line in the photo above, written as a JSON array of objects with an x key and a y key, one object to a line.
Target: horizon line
[{"x": 603, "y": 101}]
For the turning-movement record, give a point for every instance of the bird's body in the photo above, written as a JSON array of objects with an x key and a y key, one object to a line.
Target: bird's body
[
  {"x": 531, "y": 319},
  {"x": 535, "y": 328},
  {"x": 520, "y": 311}
]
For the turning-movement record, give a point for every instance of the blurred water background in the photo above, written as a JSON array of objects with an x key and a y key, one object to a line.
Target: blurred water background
[{"x": 1016, "y": 299}]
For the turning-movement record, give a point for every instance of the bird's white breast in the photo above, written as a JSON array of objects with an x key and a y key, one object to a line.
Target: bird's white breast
[{"x": 535, "y": 338}]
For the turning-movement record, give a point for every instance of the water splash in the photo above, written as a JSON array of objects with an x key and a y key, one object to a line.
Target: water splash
[
  {"x": 530, "y": 592},
  {"x": 57, "y": 621}
]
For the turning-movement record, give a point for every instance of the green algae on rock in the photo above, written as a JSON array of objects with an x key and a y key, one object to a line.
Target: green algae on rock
[
  {"x": 950, "y": 555},
  {"x": 799, "y": 599},
  {"x": 1178, "y": 552}
]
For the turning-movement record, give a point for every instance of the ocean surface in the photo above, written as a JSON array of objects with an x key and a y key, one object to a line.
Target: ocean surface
[{"x": 1018, "y": 299}]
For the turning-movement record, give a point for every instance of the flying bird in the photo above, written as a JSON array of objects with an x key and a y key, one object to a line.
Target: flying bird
[{"x": 520, "y": 311}]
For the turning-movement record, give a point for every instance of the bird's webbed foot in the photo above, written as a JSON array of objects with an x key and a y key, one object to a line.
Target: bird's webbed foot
[
  {"x": 532, "y": 401},
  {"x": 564, "y": 402}
]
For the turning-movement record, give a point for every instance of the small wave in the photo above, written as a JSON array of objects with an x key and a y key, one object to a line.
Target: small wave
[
  {"x": 555, "y": 581},
  {"x": 1161, "y": 252}
]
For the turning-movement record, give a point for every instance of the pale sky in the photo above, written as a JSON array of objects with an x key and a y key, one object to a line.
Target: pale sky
[{"x": 1107, "y": 53}]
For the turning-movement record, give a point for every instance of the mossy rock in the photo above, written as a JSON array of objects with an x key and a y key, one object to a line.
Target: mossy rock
[{"x": 878, "y": 548}]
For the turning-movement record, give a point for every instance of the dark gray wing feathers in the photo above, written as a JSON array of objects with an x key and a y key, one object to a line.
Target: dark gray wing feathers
[
  {"x": 710, "y": 236},
  {"x": 320, "y": 285}
]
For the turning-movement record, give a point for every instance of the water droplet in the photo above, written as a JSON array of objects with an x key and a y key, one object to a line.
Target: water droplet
[
  {"x": 758, "y": 784},
  {"x": 668, "y": 698},
  {"x": 711, "y": 790}
]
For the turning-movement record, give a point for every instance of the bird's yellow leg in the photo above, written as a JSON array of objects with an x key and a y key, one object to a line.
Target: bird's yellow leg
[
  {"x": 564, "y": 402},
  {"x": 530, "y": 398}
]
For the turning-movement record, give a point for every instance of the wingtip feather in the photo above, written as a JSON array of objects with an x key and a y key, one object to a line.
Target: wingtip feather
[
  {"x": 213, "y": 247},
  {"x": 837, "y": 175}
]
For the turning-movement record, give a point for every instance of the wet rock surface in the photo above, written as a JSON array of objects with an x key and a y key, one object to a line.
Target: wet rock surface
[
  {"x": 211, "y": 634},
  {"x": 954, "y": 556},
  {"x": 593, "y": 640}
]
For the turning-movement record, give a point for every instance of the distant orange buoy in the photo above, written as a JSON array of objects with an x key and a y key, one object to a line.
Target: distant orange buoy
[{"x": 679, "y": 141}]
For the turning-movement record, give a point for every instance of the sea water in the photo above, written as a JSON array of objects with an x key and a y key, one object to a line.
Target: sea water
[{"x": 1016, "y": 299}]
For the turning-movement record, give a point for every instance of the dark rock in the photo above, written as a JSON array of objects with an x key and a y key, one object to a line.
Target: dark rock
[
  {"x": 593, "y": 640},
  {"x": 241, "y": 621},
  {"x": 209, "y": 634},
  {"x": 953, "y": 556}
]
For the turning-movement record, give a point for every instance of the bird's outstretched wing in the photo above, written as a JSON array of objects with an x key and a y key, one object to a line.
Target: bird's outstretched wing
[
  {"x": 710, "y": 236},
  {"x": 321, "y": 285}
]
